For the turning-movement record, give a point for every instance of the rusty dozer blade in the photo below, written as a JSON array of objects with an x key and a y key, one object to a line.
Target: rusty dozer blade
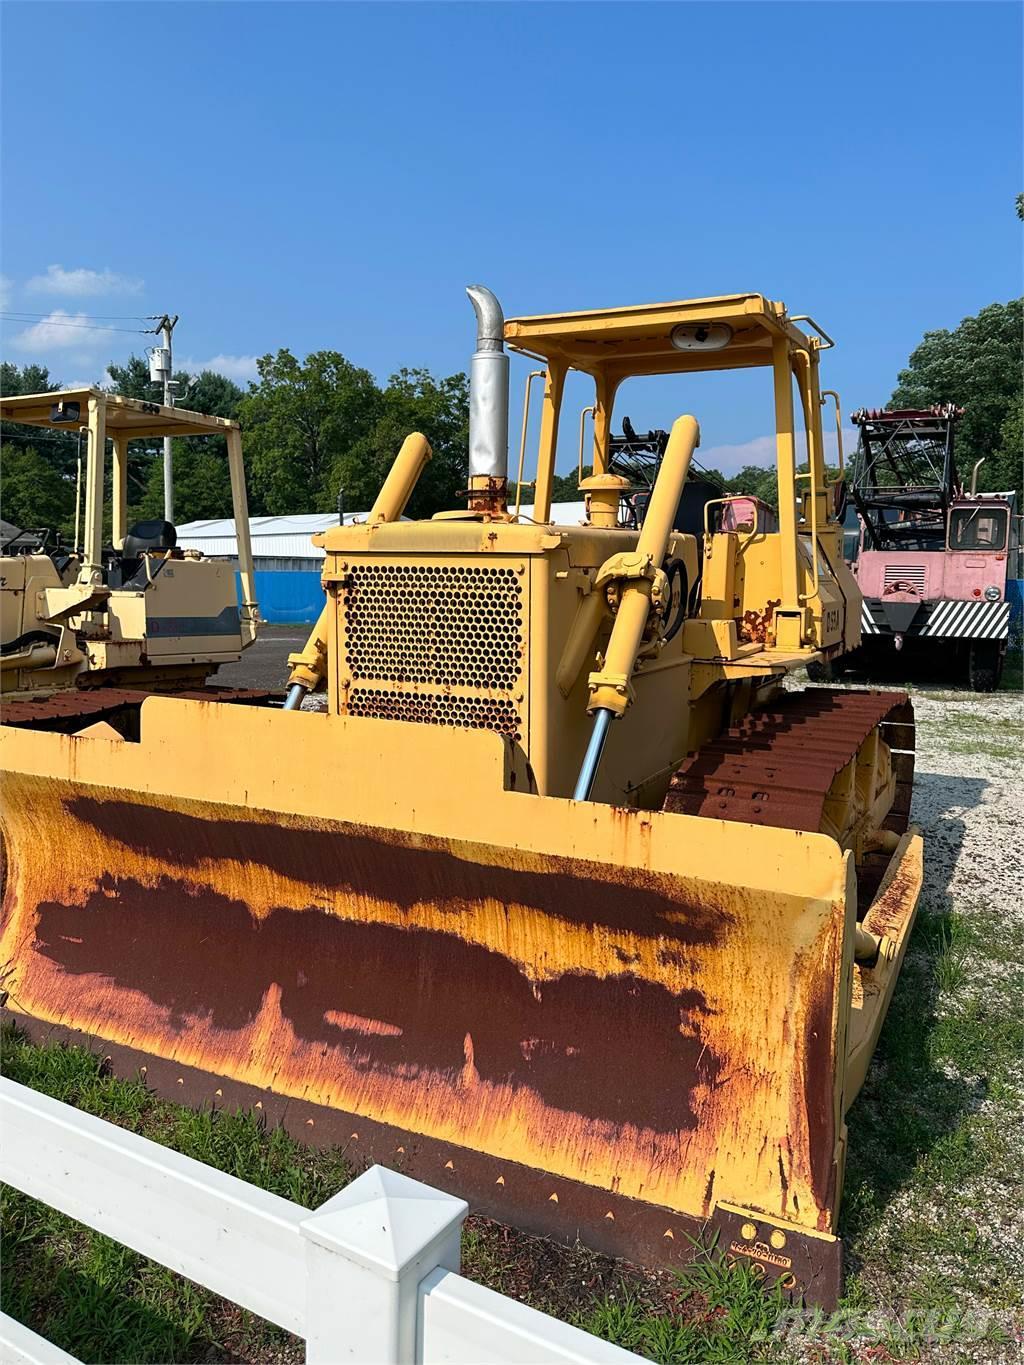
[{"x": 628, "y": 1026}]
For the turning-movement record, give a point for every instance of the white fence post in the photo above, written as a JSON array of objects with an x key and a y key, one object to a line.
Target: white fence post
[
  {"x": 19, "y": 1345},
  {"x": 367, "y": 1250}
]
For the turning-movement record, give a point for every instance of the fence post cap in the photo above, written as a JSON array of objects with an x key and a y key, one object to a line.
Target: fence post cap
[{"x": 385, "y": 1221}]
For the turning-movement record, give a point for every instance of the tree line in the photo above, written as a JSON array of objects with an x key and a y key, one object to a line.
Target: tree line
[
  {"x": 315, "y": 426},
  {"x": 311, "y": 428}
]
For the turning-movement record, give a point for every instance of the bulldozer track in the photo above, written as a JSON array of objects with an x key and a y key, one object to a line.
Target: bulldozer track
[
  {"x": 776, "y": 767},
  {"x": 69, "y": 710}
]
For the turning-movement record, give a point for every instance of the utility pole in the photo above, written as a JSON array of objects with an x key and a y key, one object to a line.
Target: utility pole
[{"x": 162, "y": 369}]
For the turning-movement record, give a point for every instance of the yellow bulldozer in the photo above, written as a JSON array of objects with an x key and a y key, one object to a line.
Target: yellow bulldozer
[
  {"x": 565, "y": 902},
  {"x": 138, "y": 614}
]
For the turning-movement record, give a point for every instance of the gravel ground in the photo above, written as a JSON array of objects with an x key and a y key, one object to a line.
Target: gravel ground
[
  {"x": 933, "y": 1208},
  {"x": 968, "y": 796}
]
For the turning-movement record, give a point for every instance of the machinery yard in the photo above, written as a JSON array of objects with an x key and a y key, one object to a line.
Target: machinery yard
[
  {"x": 511, "y": 794},
  {"x": 620, "y": 981}
]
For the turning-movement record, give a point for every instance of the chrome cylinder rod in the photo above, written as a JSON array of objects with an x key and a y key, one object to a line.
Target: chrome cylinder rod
[
  {"x": 293, "y": 701},
  {"x": 588, "y": 772}
]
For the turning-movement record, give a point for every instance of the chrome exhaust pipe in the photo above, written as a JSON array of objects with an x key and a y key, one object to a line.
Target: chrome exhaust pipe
[{"x": 488, "y": 405}]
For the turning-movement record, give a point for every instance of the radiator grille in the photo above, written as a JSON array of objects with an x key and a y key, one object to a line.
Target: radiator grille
[
  {"x": 911, "y": 575},
  {"x": 437, "y": 708},
  {"x": 436, "y": 645},
  {"x": 449, "y": 626}
]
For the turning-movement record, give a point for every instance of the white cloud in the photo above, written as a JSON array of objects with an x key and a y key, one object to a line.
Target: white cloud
[
  {"x": 240, "y": 368},
  {"x": 61, "y": 331},
  {"x": 82, "y": 283},
  {"x": 730, "y": 459},
  {"x": 98, "y": 382}
]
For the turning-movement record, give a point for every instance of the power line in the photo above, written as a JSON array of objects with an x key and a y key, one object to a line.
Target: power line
[
  {"x": 59, "y": 322},
  {"x": 89, "y": 317}
]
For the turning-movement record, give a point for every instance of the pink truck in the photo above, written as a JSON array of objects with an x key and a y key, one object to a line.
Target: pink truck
[{"x": 931, "y": 559}]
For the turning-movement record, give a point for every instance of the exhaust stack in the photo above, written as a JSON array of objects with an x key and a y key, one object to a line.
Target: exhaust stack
[{"x": 488, "y": 406}]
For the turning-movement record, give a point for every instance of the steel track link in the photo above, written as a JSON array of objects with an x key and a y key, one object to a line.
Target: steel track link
[{"x": 776, "y": 767}]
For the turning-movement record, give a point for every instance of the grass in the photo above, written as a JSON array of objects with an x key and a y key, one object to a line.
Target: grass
[
  {"x": 933, "y": 1173},
  {"x": 94, "y": 1297}
]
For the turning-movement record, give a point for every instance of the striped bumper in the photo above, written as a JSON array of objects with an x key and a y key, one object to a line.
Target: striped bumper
[
  {"x": 970, "y": 620},
  {"x": 946, "y": 620}
]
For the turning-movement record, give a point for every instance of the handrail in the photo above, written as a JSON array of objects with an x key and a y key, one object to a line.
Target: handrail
[
  {"x": 592, "y": 409},
  {"x": 831, "y": 393},
  {"x": 534, "y": 374},
  {"x": 809, "y": 475},
  {"x": 806, "y": 317}
]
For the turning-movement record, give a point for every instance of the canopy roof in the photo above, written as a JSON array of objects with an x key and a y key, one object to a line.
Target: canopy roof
[
  {"x": 636, "y": 340},
  {"x": 125, "y": 416}
]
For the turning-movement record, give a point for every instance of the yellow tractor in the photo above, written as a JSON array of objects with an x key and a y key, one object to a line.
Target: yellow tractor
[
  {"x": 565, "y": 902},
  {"x": 142, "y": 612}
]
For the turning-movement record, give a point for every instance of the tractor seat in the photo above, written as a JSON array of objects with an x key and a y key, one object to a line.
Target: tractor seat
[{"x": 148, "y": 535}]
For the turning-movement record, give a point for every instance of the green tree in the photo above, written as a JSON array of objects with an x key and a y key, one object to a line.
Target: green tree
[
  {"x": 27, "y": 379},
  {"x": 39, "y": 466},
  {"x": 755, "y": 482},
  {"x": 978, "y": 366},
  {"x": 300, "y": 419},
  {"x": 202, "y": 484},
  {"x": 34, "y": 492},
  {"x": 131, "y": 380},
  {"x": 413, "y": 401},
  {"x": 1011, "y": 445}
]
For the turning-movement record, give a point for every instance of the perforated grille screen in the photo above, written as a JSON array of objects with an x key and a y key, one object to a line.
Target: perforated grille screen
[
  {"x": 437, "y": 708},
  {"x": 442, "y": 645}
]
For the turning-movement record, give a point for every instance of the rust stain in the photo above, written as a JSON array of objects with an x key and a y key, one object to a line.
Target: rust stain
[
  {"x": 605, "y": 1049},
  {"x": 819, "y": 1089},
  {"x": 390, "y": 866},
  {"x": 897, "y": 901},
  {"x": 756, "y": 626}
]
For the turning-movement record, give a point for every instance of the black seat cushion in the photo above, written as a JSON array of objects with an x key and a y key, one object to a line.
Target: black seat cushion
[{"x": 149, "y": 535}]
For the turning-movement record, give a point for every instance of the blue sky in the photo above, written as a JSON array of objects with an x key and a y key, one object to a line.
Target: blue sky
[{"x": 338, "y": 172}]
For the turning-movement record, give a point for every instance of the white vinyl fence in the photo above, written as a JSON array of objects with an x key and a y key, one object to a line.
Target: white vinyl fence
[{"x": 371, "y": 1277}]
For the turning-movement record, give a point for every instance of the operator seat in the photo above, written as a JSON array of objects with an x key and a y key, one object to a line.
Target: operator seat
[
  {"x": 143, "y": 537},
  {"x": 149, "y": 535}
]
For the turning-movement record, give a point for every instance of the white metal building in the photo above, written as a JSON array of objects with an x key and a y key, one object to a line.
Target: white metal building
[
  {"x": 277, "y": 542},
  {"x": 283, "y": 543}
]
